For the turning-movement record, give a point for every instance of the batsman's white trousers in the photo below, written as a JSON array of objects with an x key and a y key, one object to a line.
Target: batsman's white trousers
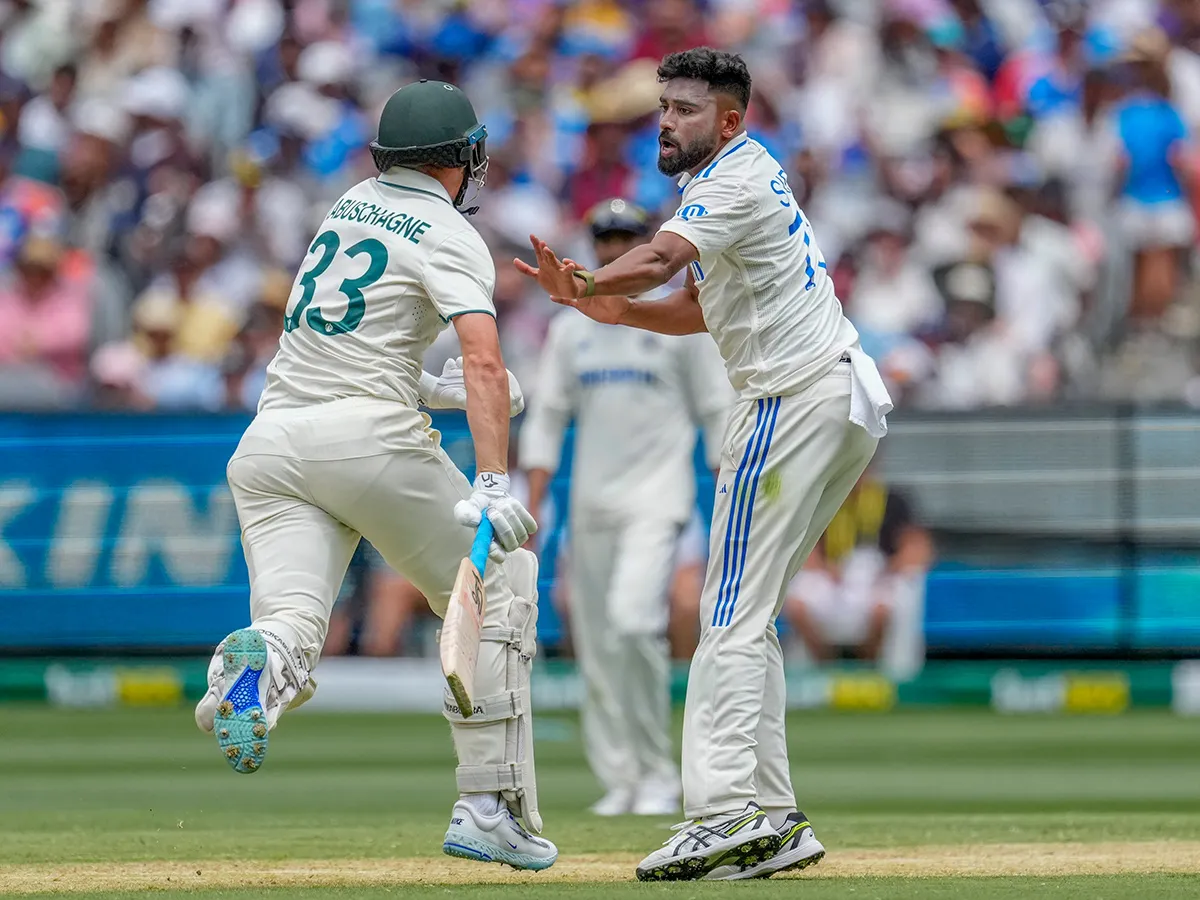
[
  {"x": 307, "y": 483},
  {"x": 619, "y": 609},
  {"x": 787, "y": 465}
]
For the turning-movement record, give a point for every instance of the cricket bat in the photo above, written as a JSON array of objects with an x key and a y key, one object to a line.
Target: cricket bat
[{"x": 459, "y": 643}]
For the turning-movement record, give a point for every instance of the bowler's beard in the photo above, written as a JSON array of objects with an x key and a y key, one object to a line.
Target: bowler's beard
[{"x": 687, "y": 156}]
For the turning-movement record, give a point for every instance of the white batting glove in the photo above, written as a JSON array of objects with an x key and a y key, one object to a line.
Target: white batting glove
[
  {"x": 450, "y": 390},
  {"x": 511, "y": 520}
]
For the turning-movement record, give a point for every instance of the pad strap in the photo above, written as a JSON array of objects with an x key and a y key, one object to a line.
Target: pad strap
[
  {"x": 496, "y": 708},
  {"x": 503, "y": 777},
  {"x": 501, "y": 634}
]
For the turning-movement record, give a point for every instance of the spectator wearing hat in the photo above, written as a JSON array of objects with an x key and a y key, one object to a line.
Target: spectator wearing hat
[
  {"x": 96, "y": 194},
  {"x": 893, "y": 294},
  {"x": 46, "y": 307},
  {"x": 148, "y": 371},
  {"x": 121, "y": 41},
  {"x": 1034, "y": 301},
  {"x": 975, "y": 364},
  {"x": 328, "y": 67},
  {"x": 44, "y": 126},
  {"x": 604, "y": 171},
  {"x": 156, "y": 100}
]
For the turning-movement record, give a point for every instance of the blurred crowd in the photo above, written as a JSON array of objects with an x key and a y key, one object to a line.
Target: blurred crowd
[{"x": 1004, "y": 190}]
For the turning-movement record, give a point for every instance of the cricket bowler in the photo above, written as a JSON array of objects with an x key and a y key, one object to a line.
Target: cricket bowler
[
  {"x": 636, "y": 400},
  {"x": 339, "y": 450},
  {"x": 810, "y": 410}
]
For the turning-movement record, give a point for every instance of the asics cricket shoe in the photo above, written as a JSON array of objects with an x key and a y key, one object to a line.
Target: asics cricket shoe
[
  {"x": 617, "y": 802},
  {"x": 799, "y": 850},
  {"x": 252, "y": 678},
  {"x": 497, "y": 837},
  {"x": 743, "y": 839}
]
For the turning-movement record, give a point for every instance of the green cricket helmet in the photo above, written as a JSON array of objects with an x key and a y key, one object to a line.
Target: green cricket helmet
[{"x": 432, "y": 123}]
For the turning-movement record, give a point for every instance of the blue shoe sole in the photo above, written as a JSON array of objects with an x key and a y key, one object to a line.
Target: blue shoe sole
[
  {"x": 240, "y": 723},
  {"x": 465, "y": 847}
]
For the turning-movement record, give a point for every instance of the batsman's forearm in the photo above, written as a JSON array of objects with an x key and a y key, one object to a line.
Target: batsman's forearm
[
  {"x": 641, "y": 269},
  {"x": 678, "y": 313},
  {"x": 487, "y": 413}
]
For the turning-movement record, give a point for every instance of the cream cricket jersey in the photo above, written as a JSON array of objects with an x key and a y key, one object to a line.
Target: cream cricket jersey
[
  {"x": 767, "y": 297},
  {"x": 392, "y": 263},
  {"x": 637, "y": 399}
]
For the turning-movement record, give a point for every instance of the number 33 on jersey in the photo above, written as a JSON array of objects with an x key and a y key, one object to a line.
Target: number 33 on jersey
[{"x": 392, "y": 263}]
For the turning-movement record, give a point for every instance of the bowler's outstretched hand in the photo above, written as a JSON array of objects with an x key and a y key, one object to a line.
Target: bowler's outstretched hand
[{"x": 557, "y": 278}]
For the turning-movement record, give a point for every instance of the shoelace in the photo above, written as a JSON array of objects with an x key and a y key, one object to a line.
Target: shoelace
[{"x": 680, "y": 826}]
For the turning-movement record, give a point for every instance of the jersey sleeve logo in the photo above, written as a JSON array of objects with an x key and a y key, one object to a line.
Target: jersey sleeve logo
[{"x": 692, "y": 211}]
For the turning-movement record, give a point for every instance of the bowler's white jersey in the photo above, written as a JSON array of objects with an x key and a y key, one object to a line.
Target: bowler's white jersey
[
  {"x": 392, "y": 263},
  {"x": 767, "y": 297},
  {"x": 636, "y": 398}
]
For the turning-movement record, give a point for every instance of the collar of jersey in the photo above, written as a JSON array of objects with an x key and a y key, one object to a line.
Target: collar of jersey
[
  {"x": 735, "y": 143},
  {"x": 414, "y": 181}
]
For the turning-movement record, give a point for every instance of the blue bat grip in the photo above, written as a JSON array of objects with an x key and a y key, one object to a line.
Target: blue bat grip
[{"x": 483, "y": 543}]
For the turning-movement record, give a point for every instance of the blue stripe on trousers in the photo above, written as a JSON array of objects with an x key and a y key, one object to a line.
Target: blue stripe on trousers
[
  {"x": 737, "y": 482},
  {"x": 740, "y": 566},
  {"x": 734, "y": 528}
]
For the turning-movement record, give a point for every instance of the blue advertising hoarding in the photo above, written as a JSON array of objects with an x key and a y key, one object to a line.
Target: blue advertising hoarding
[{"x": 117, "y": 531}]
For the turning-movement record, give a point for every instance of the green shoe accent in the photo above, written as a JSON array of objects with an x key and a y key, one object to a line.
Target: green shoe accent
[{"x": 240, "y": 723}]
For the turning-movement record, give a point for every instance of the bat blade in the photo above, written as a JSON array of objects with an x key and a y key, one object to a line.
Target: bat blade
[{"x": 459, "y": 645}]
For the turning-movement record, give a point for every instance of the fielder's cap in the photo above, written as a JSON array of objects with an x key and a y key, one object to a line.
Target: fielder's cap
[{"x": 617, "y": 216}]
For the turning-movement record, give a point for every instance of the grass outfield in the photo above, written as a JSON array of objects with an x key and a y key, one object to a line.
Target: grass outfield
[{"x": 932, "y": 804}]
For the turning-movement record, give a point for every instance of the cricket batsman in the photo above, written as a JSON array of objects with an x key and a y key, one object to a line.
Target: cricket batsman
[
  {"x": 810, "y": 410},
  {"x": 636, "y": 399},
  {"x": 340, "y": 449}
]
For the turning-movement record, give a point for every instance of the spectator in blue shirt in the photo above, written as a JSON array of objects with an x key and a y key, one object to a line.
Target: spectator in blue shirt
[{"x": 1153, "y": 210}]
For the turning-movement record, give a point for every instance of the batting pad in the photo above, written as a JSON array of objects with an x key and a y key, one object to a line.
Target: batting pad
[{"x": 495, "y": 745}]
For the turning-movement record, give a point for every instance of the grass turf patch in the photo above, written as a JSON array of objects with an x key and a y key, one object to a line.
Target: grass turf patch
[{"x": 894, "y": 797}]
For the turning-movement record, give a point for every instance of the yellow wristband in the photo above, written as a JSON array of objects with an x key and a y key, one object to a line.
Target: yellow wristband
[{"x": 589, "y": 281}]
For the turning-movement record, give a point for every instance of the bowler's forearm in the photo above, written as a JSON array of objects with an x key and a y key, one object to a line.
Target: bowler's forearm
[
  {"x": 641, "y": 269},
  {"x": 677, "y": 313}
]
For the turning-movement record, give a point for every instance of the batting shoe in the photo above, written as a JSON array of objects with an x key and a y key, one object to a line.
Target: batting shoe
[
  {"x": 252, "y": 678},
  {"x": 495, "y": 837},
  {"x": 743, "y": 839},
  {"x": 799, "y": 850}
]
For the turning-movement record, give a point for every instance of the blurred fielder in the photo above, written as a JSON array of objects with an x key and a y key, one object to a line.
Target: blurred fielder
[
  {"x": 339, "y": 449},
  {"x": 810, "y": 411},
  {"x": 637, "y": 400}
]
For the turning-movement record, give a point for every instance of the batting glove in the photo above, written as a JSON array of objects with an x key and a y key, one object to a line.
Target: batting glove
[
  {"x": 511, "y": 520},
  {"x": 450, "y": 390}
]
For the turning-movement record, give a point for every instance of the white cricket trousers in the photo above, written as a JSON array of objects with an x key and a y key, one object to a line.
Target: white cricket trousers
[
  {"x": 787, "y": 465},
  {"x": 619, "y": 577},
  {"x": 307, "y": 483}
]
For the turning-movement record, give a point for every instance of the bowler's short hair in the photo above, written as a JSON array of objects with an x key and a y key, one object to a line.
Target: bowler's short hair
[{"x": 724, "y": 72}]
